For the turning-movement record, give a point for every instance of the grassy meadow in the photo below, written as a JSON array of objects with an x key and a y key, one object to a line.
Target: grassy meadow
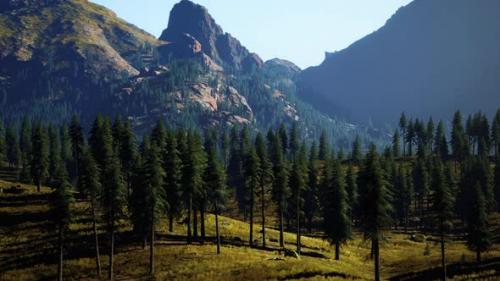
[{"x": 28, "y": 242}]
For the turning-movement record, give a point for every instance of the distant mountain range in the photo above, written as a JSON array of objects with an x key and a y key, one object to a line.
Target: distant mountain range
[
  {"x": 431, "y": 58},
  {"x": 60, "y": 57}
]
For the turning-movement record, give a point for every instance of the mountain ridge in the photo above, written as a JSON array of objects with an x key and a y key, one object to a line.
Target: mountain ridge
[
  {"x": 430, "y": 58},
  {"x": 66, "y": 57}
]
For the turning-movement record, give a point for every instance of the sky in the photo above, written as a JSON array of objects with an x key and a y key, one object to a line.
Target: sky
[{"x": 297, "y": 30}]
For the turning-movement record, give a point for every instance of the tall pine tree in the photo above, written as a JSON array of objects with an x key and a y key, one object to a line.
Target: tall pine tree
[
  {"x": 374, "y": 203},
  {"x": 40, "y": 156}
]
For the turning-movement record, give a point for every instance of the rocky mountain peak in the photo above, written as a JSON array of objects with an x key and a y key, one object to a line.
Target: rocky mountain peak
[
  {"x": 193, "y": 20},
  {"x": 187, "y": 17}
]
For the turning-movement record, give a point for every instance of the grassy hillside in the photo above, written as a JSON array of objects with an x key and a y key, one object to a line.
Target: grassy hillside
[{"x": 28, "y": 252}]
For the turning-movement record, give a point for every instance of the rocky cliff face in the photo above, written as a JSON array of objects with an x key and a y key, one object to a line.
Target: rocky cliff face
[{"x": 189, "y": 20}]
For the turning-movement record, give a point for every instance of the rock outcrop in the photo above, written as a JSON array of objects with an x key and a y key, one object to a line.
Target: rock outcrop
[{"x": 188, "y": 19}]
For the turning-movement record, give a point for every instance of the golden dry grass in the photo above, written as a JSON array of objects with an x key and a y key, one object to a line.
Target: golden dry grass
[{"x": 175, "y": 260}]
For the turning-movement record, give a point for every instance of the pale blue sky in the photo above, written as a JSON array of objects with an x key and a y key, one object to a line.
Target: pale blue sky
[{"x": 297, "y": 30}]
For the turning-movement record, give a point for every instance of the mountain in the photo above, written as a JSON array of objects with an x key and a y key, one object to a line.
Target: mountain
[
  {"x": 61, "y": 57},
  {"x": 190, "y": 21},
  {"x": 431, "y": 58}
]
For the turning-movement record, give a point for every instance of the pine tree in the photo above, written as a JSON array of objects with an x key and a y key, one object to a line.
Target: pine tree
[
  {"x": 54, "y": 152},
  {"x": 215, "y": 181},
  {"x": 374, "y": 203},
  {"x": 294, "y": 143},
  {"x": 127, "y": 151},
  {"x": 403, "y": 195},
  {"x": 281, "y": 189},
  {"x": 410, "y": 136},
  {"x": 235, "y": 169},
  {"x": 40, "y": 156},
  {"x": 60, "y": 201},
  {"x": 252, "y": 171},
  {"x": 396, "y": 144},
  {"x": 337, "y": 222},
  {"x": 421, "y": 180},
  {"x": 101, "y": 148},
  {"x": 429, "y": 134},
  {"x": 224, "y": 148},
  {"x": 443, "y": 208},
  {"x": 155, "y": 195},
  {"x": 91, "y": 187},
  {"x": 192, "y": 175},
  {"x": 352, "y": 192},
  {"x": 356, "y": 150},
  {"x": 66, "y": 150},
  {"x": 311, "y": 204},
  {"x": 458, "y": 141},
  {"x": 440, "y": 142},
  {"x": 402, "y": 125},
  {"x": 12, "y": 147},
  {"x": 139, "y": 214},
  {"x": 324, "y": 148},
  {"x": 478, "y": 234},
  {"x": 298, "y": 184},
  {"x": 77, "y": 144},
  {"x": 265, "y": 180},
  {"x": 172, "y": 165},
  {"x": 25, "y": 144},
  {"x": 495, "y": 133},
  {"x": 111, "y": 182},
  {"x": 283, "y": 137},
  {"x": 113, "y": 203}
]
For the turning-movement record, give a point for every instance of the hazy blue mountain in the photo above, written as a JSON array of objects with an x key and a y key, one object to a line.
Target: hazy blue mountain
[{"x": 431, "y": 58}]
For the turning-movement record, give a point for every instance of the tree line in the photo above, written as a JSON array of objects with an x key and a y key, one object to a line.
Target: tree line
[{"x": 181, "y": 173}]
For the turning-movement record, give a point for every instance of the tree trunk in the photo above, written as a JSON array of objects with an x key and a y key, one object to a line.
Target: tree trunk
[
  {"x": 372, "y": 250},
  {"x": 202, "y": 223},
  {"x": 129, "y": 186},
  {"x": 152, "y": 244},
  {"x": 195, "y": 224},
  {"x": 478, "y": 256},
  {"x": 298, "y": 224},
  {"x": 251, "y": 217},
  {"x": 309, "y": 224},
  {"x": 170, "y": 223},
  {"x": 406, "y": 219},
  {"x": 282, "y": 240},
  {"x": 337, "y": 250},
  {"x": 443, "y": 258},
  {"x": 263, "y": 207},
  {"x": 96, "y": 238},
  {"x": 190, "y": 207},
  {"x": 377, "y": 258},
  {"x": 60, "y": 265},
  {"x": 111, "y": 250},
  {"x": 217, "y": 235},
  {"x": 38, "y": 187}
]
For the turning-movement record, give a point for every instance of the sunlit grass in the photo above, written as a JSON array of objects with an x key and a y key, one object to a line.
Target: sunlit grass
[{"x": 175, "y": 260}]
